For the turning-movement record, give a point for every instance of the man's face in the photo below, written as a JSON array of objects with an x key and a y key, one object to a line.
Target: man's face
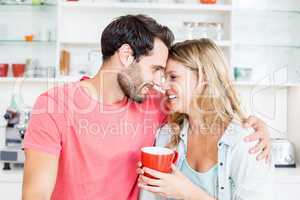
[{"x": 137, "y": 80}]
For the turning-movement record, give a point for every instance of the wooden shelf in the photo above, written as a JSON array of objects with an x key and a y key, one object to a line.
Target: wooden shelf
[
  {"x": 270, "y": 10},
  {"x": 265, "y": 44},
  {"x": 253, "y": 84},
  {"x": 38, "y": 80},
  {"x": 224, "y": 43},
  {"x": 70, "y": 79},
  {"x": 27, "y": 5},
  {"x": 23, "y": 42},
  {"x": 148, "y": 6}
]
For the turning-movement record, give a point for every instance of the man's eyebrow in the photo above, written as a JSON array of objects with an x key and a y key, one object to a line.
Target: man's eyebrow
[{"x": 159, "y": 66}]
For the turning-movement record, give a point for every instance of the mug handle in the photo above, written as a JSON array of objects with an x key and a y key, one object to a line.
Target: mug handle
[{"x": 175, "y": 157}]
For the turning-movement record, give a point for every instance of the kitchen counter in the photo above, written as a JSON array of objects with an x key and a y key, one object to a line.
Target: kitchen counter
[
  {"x": 287, "y": 175},
  {"x": 12, "y": 176},
  {"x": 282, "y": 175}
]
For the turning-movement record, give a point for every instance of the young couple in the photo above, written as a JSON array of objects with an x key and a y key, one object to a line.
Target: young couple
[{"x": 84, "y": 138}]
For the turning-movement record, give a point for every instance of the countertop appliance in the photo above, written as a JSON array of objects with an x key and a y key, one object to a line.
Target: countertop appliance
[
  {"x": 12, "y": 134},
  {"x": 283, "y": 154}
]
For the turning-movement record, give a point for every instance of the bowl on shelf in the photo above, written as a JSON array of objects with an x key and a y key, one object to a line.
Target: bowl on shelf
[
  {"x": 208, "y": 1},
  {"x": 243, "y": 74},
  {"x": 3, "y": 70},
  {"x": 28, "y": 38},
  {"x": 18, "y": 70}
]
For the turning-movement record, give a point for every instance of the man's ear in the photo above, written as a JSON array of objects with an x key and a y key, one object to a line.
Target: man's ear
[{"x": 125, "y": 54}]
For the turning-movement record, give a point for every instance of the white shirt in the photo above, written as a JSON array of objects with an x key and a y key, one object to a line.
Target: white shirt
[{"x": 240, "y": 175}]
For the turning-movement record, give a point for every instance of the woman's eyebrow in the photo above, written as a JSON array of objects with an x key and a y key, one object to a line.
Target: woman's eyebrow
[{"x": 169, "y": 72}]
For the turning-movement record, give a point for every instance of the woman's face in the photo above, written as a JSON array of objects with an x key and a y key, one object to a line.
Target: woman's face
[{"x": 180, "y": 85}]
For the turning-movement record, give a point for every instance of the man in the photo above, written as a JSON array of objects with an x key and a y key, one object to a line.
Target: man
[{"x": 84, "y": 138}]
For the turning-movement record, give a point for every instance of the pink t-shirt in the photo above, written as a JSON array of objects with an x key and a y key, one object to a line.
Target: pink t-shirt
[{"x": 98, "y": 145}]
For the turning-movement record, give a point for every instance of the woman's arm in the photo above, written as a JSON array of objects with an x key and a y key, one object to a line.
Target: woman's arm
[{"x": 174, "y": 185}]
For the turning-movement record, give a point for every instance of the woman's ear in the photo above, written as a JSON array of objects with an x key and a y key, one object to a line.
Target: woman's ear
[{"x": 125, "y": 54}]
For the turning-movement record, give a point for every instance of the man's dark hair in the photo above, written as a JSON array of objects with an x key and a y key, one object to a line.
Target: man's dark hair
[{"x": 138, "y": 31}]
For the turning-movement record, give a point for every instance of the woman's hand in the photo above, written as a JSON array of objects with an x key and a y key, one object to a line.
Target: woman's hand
[
  {"x": 174, "y": 185},
  {"x": 262, "y": 148}
]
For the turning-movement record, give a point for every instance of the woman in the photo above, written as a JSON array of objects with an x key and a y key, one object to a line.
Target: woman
[{"x": 205, "y": 128}]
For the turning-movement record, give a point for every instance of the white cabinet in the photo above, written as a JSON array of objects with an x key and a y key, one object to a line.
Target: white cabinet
[
  {"x": 286, "y": 184},
  {"x": 11, "y": 184},
  {"x": 287, "y": 191},
  {"x": 11, "y": 190}
]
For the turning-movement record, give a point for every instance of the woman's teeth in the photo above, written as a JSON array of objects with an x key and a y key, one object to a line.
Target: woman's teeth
[{"x": 172, "y": 96}]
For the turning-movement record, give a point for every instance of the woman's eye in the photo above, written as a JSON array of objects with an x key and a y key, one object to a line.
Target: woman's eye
[{"x": 173, "y": 77}]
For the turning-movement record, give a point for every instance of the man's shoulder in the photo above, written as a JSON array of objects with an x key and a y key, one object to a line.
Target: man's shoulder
[
  {"x": 61, "y": 91},
  {"x": 57, "y": 96},
  {"x": 235, "y": 134}
]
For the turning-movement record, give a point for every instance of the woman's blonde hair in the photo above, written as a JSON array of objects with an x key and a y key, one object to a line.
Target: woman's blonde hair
[{"x": 217, "y": 101}]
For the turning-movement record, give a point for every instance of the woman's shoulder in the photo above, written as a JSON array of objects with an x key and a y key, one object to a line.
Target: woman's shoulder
[
  {"x": 235, "y": 134},
  {"x": 251, "y": 177}
]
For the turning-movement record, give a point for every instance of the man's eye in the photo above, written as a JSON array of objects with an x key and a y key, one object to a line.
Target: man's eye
[{"x": 158, "y": 68}]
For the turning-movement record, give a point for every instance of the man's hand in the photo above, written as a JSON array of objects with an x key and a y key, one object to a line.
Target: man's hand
[
  {"x": 261, "y": 134},
  {"x": 39, "y": 175}
]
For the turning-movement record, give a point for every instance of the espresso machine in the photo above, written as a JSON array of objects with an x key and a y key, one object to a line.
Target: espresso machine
[{"x": 13, "y": 130}]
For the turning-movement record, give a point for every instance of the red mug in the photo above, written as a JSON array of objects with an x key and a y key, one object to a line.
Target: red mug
[
  {"x": 18, "y": 69},
  {"x": 3, "y": 70},
  {"x": 158, "y": 158}
]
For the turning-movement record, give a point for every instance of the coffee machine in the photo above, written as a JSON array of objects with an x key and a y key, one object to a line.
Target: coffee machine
[{"x": 13, "y": 130}]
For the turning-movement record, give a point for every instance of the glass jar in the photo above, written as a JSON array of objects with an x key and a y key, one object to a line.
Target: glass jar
[
  {"x": 203, "y": 30},
  {"x": 219, "y": 31},
  {"x": 189, "y": 29}
]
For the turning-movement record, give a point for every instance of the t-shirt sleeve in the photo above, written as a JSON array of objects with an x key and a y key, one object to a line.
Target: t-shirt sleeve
[{"x": 43, "y": 132}]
